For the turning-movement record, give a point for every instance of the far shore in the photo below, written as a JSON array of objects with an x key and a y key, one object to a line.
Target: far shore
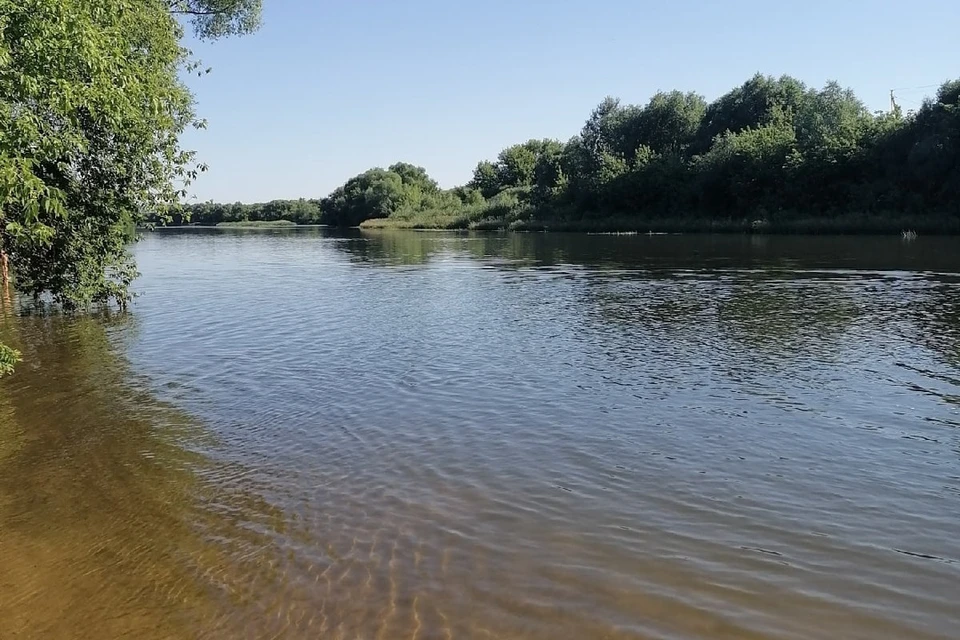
[{"x": 851, "y": 224}]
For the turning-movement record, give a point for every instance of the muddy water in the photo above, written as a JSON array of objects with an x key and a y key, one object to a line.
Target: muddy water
[{"x": 302, "y": 434}]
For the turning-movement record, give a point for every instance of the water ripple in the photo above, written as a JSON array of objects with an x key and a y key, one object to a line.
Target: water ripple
[{"x": 419, "y": 435}]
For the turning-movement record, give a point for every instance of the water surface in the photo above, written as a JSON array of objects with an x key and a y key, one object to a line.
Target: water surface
[{"x": 302, "y": 434}]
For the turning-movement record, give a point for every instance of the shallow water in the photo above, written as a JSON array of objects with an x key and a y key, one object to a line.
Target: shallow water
[{"x": 302, "y": 434}]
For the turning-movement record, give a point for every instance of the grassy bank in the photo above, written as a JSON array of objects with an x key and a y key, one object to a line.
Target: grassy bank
[
  {"x": 849, "y": 224},
  {"x": 257, "y": 224}
]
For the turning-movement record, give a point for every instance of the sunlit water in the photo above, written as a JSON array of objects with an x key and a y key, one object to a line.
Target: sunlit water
[{"x": 301, "y": 434}]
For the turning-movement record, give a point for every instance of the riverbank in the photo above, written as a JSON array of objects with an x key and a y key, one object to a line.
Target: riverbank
[
  {"x": 240, "y": 224},
  {"x": 848, "y": 224},
  {"x": 520, "y": 219},
  {"x": 257, "y": 224}
]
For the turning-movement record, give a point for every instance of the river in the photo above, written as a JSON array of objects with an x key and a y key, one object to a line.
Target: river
[{"x": 311, "y": 434}]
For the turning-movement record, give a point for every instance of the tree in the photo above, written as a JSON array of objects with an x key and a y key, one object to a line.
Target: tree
[
  {"x": 548, "y": 176},
  {"x": 667, "y": 124},
  {"x": 377, "y": 193},
  {"x": 218, "y": 18},
  {"x": 599, "y": 133},
  {"x": 515, "y": 167},
  {"x": 414, "y": 176},
  {"x": 485, "y": 179},
  {"x": 91, "y": 110},
  {"x": 830, "y": 123},
  {"x": 933, "y": 160},
  {"x": 750, "y": 105},
  {"x": 744, "y": 171}
]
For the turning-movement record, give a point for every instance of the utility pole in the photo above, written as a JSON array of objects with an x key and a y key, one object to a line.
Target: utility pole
[{"x": 893, "y": 102}]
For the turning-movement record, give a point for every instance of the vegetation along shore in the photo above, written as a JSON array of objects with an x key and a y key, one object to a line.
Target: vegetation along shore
[{"x": 772, "y": 155}]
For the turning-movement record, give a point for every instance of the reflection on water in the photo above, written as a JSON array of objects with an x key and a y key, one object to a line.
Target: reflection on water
[
  {"x": 307, "y": 434},
  {"x": 95, "y": 483}
]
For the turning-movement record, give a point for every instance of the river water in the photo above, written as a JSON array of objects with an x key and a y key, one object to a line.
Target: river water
[{"x": 306, "y": 434}]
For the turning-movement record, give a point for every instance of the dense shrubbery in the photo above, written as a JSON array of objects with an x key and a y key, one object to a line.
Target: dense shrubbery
[{"x": 771, "y": 152}]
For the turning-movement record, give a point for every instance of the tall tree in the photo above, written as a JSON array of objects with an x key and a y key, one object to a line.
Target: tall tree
[
  {"x": 667, "y": 124},
  {"x": 485, "y": 179},
  {"x": 91, "y": 110}
]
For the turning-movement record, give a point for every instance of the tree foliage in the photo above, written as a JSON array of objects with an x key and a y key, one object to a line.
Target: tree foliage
[
  {"x": 769, "y": 148},
  {"x": 301, "y": 211},
  {"x": 400, "y": 190},
  {"x": 515, "y": 166},
  {"x": 218, "y": 18},
  {"x": 91, "y": 110}
]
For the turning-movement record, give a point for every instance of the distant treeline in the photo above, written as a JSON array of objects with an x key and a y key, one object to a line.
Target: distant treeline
[
  {"x": 767, "y": 152},
  {"x": 300, "y": 211}
]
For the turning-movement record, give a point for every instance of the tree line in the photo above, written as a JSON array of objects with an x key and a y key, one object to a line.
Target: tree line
[{"x": 768, "y": 150}]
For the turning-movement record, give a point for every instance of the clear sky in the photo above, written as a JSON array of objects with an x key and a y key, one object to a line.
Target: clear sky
[{"x": 327, "y": 89}]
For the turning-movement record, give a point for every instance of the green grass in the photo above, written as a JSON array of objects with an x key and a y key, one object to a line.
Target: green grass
[
  {"x": 522, "y": 219},
  {"x": 414, "y": 222},
  {"x": 496, "y": 214},
  {"x": 258, "y": 224}
]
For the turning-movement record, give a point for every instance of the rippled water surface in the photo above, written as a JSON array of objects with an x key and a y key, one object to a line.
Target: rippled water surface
[{"x": 303, "y": 434}]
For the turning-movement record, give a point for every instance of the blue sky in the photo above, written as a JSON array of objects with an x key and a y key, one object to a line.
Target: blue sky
[{"x": 326, "y": 90}]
